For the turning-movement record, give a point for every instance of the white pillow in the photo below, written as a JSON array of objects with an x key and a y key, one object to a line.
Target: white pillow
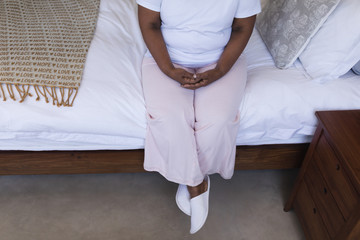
[
  {"x": 356, "y": 68},
  {"x": 335, "y": 48}
]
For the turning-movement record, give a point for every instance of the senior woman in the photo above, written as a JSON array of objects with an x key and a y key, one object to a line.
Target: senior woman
[{"x": 193, "y": 79}]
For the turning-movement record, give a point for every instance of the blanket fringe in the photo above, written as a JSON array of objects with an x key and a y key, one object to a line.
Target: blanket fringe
[{"x": 60, "y": 96}]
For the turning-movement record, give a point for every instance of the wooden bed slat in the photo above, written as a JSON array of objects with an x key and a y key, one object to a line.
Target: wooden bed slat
[
  {"x": 275, "y": 156},
  {"x": 111, "y": 161}
]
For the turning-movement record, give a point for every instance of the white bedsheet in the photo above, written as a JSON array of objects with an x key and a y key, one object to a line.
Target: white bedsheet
[{"x": 109, "y": 111}]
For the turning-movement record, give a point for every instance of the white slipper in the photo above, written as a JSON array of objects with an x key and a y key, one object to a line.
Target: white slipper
[
  {"x": 183, "y": 199},
  {"x": 199, "y": 209}
]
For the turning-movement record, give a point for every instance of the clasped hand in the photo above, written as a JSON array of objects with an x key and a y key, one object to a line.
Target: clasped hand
[{"x": 194, "y": 81}]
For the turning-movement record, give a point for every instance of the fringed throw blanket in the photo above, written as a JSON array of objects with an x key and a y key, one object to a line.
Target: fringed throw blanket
[{"x": 43, "y": 48}]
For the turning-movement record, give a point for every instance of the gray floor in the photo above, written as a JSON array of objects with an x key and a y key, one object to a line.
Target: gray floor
[{"x": 142, "y": 206}]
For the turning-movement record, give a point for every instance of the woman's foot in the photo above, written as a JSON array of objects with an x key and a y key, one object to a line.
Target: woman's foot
[
  {"x": 199, "y": 205},
  {"x": 199, "y": 189},
  {"x": 183, "y": 195},
  {"x": 183, "y": 199}
]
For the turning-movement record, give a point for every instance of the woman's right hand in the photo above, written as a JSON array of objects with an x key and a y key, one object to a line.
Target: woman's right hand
[{"x": 181, "y": 75}]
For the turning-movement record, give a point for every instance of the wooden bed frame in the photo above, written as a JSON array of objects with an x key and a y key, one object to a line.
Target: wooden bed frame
[{"x": 275, "y": 156}]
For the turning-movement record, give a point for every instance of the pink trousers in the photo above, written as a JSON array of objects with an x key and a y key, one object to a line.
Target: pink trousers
[{"x": 192, "y": 133}]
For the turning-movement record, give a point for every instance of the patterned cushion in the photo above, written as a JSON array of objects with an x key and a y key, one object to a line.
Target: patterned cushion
[{"x": 287, "y": 26}]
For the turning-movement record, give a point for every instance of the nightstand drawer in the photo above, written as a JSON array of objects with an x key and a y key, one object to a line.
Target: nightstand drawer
[
  {"x": 309, "y": 215},
  {"x": 328, "y": 209},
  {"x": 336, "y": 178}
]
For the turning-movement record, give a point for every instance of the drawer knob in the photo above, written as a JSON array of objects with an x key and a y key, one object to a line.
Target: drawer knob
[
  {"x": 325, "y": 190},
  {"x": 338, "y": 167},
  {"x": 314, "y": 210}
]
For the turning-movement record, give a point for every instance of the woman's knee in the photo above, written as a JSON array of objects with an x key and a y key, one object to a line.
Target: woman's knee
[
  {"x": 217, "y": 120},
  {"x": 172, "y": 117}
]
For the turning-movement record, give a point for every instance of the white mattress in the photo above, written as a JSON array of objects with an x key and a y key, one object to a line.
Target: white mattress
[{"x": 109, "y": 111}]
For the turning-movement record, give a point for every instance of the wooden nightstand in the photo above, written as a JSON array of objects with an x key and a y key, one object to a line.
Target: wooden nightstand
[{"x": 326, "y": 195}]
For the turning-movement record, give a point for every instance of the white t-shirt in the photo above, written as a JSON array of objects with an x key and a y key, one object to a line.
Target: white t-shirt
[{"x": 196, "y": 31}]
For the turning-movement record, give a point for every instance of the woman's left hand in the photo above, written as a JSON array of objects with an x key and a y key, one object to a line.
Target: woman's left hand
[{"x": 204, "y": 79}]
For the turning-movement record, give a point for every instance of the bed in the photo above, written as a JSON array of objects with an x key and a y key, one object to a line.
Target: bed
[{"x": 104, "y": 131}]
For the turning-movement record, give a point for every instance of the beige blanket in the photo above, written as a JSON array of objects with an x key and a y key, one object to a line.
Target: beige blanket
[{"x": 43, "y": 48}]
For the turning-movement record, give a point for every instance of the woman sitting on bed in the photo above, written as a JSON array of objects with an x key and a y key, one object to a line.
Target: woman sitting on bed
[{"x": 193, "y": 79}]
